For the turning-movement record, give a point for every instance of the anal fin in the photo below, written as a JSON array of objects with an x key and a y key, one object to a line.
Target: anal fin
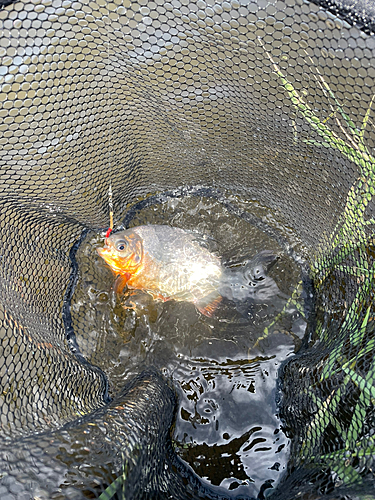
[{"x": 208, "y": 305}]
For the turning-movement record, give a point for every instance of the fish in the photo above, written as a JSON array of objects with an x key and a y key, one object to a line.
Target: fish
[
  {"x": 171, "y": 263},
  {"x": 167, "y": 262}
]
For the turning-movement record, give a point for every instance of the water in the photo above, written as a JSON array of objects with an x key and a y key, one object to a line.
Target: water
[{"x": 225, "y": 373}]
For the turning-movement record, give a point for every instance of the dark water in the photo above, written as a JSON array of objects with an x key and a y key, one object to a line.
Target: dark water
[{"x": 227, "y": 427}]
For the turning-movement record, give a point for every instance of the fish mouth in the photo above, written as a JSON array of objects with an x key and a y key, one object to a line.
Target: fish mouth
[
  {"x": 103, "y": 252},
  {"x": 107, "y": 255},
  {"x": 123, "y": 266}
]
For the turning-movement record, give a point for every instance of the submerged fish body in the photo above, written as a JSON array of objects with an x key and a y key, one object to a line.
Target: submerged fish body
[
  {"x": 169, "y": 263},
  {"x": 249, "y": 287},
  {"x": 250, "y": 281}
]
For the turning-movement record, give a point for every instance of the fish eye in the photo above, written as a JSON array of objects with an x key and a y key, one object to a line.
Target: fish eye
[{"x": 121, "y": 245}]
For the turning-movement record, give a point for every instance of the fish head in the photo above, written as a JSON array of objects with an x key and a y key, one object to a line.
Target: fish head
[{"x": 123, "y": 252}]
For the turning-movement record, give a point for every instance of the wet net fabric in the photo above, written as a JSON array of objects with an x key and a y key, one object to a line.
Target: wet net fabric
[{"x": 268, "y": 100}]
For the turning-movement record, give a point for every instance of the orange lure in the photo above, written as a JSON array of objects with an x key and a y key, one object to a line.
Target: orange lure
[{"x": 167, "y": 262}]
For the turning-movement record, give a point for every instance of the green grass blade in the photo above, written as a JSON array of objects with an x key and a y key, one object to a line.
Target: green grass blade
[
  {"x": 370, "y": 346},
  {"x": 358, "y": 272},
  {"x": 362, "y": 383},
  {"x": 292, "y": 301},
  {"x": 339, "y": 107},
  {"x": 356, "y": 336},
  {"x": 321, "y": 420},
  {"x": 345, "y": 471},
  {"x": 365, "y": 120},
  {"x": 356, "y": 424},
  {"x": 367, "y": 449},
  {"x": 333, "y": 358},
  {"x": 319, "y": 404},
  {"x": 112, "y": 489}
]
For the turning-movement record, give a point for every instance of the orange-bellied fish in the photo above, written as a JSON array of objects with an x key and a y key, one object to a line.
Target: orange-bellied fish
[{"x": 167, "y": 262}]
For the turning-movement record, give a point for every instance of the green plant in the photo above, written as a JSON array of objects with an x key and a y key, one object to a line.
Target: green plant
[
  {"x": 110, "y": 492},
  {"x": 350, "y": 232},
  {"x": 349, "y": 238}
]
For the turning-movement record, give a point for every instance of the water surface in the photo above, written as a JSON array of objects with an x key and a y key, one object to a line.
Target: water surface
[{"x": 223, "y": 369}]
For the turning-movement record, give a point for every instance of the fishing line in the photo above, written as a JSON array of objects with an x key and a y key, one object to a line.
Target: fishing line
[
  {"x": 110, "y": 204},
  {"x": 110, "y": 199}
]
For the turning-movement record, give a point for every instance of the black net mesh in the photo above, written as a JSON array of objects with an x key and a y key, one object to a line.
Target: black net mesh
[{"x": 266, "y": 101}]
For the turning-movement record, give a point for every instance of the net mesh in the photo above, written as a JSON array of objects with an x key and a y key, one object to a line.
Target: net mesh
[{"x": 269, "y": 100}]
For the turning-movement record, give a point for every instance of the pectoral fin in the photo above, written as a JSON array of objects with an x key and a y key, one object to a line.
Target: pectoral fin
[
  {"x": 120, "y": 283},
  {"x": 208, "y": 304}
]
